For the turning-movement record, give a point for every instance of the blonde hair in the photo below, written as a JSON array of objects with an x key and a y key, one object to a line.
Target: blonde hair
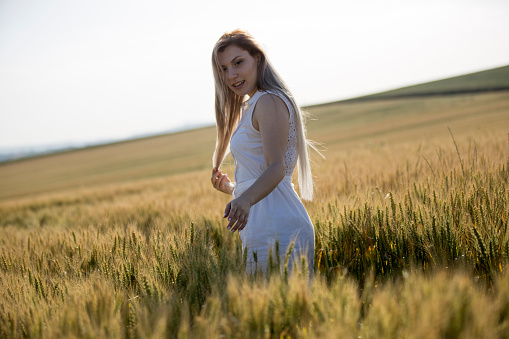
[{"x": 228, "y": 104}]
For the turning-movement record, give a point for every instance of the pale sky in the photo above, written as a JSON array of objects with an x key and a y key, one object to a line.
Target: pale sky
[{"x": 82, "y": 71}]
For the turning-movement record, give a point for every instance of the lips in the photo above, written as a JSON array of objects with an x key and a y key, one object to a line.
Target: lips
[{"x": 238, "y": 84}]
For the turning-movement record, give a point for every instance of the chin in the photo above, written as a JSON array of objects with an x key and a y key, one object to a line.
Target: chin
[{"x": 242, "y": 91}]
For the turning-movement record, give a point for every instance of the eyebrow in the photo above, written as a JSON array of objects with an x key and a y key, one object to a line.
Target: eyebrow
[{"x": 238, "y": 56}]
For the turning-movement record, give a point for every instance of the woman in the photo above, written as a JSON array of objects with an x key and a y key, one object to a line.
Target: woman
[{"x": 267, "y": 138}]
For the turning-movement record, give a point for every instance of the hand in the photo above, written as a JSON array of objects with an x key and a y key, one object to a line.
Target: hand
[
  {"x": 221, "y": 182},
  {"x": 237, "y": 212}
]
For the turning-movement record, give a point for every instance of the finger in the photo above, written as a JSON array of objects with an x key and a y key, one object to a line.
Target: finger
[
  {"x": 232, "y": 221},
  {"x": 227, "y": 210},
  {"x": 232, "y": 218},
  {"x": 221, "y": 181},
  {"x": 238, "y": 223},
  {"x": 241, "y": 219},
  {"x": 244, "y": 223},
  {"x": 214, "y": 177}
]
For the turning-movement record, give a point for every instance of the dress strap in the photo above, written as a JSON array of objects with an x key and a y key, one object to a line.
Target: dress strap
[
  {"x": 249, "y": 103},
  {"x": 248, "y": 108}
]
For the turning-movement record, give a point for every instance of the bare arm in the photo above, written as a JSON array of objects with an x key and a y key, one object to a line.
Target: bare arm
[{"x": 271, "y": 118}]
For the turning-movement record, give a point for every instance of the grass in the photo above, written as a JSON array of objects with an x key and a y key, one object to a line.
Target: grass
[{"x": 127, "y": 240}]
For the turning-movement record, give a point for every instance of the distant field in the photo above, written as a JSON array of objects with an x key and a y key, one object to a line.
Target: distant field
[
  {"x": 337, "y": 125},
  {"x": 109, "y": 164}
]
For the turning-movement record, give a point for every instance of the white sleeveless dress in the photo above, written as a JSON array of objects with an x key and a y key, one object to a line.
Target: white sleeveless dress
[{"x": 280, "y": 216}]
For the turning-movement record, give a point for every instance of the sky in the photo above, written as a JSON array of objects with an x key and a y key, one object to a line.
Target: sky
[{"x": 96, "y": 70}]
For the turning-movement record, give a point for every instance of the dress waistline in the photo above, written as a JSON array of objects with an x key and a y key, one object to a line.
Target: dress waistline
[{"x": 240, "y": 187}]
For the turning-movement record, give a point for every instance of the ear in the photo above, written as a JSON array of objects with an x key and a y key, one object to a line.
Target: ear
[{"x": 258, "y": 58}]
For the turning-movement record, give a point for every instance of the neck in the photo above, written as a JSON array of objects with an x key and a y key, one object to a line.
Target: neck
[{"x": 252, "y": 92}]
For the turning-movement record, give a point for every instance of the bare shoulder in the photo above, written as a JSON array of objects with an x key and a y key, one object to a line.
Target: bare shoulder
[
  {"x": 270, "y": 104},
  {"x": 270, "y": 110}
]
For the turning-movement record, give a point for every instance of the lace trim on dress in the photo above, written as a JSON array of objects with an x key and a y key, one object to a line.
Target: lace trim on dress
[{"x": 291, "y": 155}]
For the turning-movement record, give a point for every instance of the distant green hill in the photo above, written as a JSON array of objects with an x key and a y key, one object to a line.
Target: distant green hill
[{"x": 492, "y": 80}]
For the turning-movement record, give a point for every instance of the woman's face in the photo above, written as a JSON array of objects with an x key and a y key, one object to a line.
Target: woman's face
[{"x": 239, "y": 70}]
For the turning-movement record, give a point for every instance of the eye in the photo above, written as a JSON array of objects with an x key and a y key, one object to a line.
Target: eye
[{"x": 238, "y": 62}]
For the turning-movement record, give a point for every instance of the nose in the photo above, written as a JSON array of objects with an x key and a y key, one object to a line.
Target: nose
[{"x": 232, "y": 74}]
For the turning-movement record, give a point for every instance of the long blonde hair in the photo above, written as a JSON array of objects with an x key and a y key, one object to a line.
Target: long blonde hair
[{"x": 228, "y": 104}]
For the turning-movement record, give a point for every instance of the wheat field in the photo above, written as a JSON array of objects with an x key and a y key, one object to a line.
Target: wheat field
[{"x": 127, "y": 240}]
